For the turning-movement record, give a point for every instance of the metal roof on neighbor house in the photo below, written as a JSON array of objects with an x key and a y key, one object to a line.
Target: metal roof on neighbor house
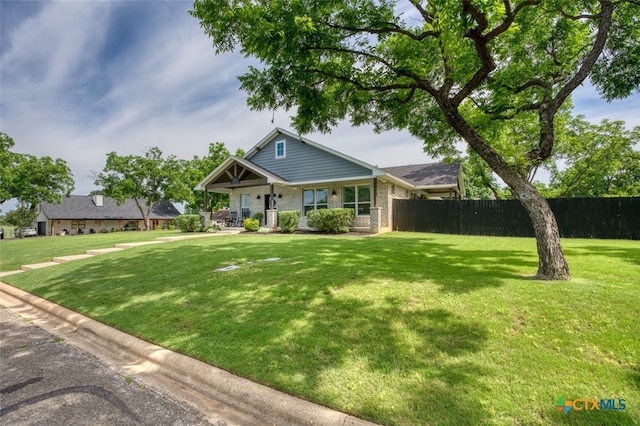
[
  {"x": 422, "y": 175},
  {"x": 220, "y": 214},
  {"x": 84, "y": 207}
]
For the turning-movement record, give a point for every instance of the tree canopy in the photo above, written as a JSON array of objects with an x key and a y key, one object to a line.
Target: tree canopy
[
  {"x": 444, "y": 70},
  {"x": 147, "y": 179},
  {"x": 589, "y": 160},
  {"x": 31, "y": 179},
  {"x": 598, "y": 160}
]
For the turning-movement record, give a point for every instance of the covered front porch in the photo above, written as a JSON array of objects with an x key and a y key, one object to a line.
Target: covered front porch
[
  {"x": 254, "y": 192},
  {"x": 257, "y": 193}
]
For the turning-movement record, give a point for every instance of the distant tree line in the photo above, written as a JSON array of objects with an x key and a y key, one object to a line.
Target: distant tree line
[
  {"x": 147, "y": 178},
  {"x": 150, "y": 178},
  {"x": 590, "y": 160}
]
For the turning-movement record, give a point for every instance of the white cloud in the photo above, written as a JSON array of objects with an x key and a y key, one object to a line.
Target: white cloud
[
  {"x": 83, "y": 78},
  {"x": 587, "y": 102}
]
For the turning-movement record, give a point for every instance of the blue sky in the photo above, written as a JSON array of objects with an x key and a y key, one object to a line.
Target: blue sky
[{"x": 82, "y": 78}]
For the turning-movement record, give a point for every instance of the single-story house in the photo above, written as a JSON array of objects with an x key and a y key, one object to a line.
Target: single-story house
[
  {"x": 285, "y": 171},
  {"x": 220, "y": 217},
  {"x": 85, "y": 214}
]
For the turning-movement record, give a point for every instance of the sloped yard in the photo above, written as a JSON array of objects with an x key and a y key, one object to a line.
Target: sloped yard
[{"x": 401, "y": 329}]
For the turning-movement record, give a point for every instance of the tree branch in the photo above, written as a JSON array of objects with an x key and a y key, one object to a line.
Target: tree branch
[
  {"x": 419, "y": 82},
  {"x": 533, "y": 83},
  {"x": 393, "y": 28},
  {"x": 358, "y": 85},
  {"x": 548, "y": 109},
  {"x": 605, "y": 15},
  {"x": 409, "y": 96},
  {"x": 423, "y": 12},
  {"x": 510, "y": 17},
  {"x": 531, "y": 107},
  {"x": 480, "y": 19},
  {"x": 481, "y": 42}
]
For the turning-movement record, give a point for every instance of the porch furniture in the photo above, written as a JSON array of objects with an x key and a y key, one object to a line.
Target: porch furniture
[{"x": 233, "y": 218}]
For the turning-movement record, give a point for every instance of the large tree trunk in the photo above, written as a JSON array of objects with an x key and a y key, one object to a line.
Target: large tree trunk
[
  {"x": 145, "y": 213},
  {"x": 551, "y": 261}
]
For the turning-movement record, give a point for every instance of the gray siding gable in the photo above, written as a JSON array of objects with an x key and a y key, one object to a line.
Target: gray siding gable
[{"x": 305, "y": 162}]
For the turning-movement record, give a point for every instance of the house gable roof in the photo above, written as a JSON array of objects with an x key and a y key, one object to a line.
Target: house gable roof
[
  {"x": 236, "y": 172},
  {"x": 427, "y": 175},
  {"x": 307, "y": 161},
  {"x": 84, "y": 207},
  {"x": 278, "y": 131}
]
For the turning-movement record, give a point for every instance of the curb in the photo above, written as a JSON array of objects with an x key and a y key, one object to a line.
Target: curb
[{"x": 263, "y": 403}]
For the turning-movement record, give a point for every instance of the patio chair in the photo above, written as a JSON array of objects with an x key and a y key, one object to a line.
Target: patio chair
[
  {"x": 233, "y": 218},
  {"x": 246, "y": 214}
]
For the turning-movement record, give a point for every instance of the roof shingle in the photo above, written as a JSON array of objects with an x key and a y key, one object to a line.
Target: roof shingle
[
  {"x": 422, "y": 175},
  {"x": 84, "y": 207}
]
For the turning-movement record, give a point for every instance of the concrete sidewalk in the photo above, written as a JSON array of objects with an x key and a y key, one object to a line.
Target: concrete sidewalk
[
  {"x": 223, "y": 398},
  {"x": 95, "y": 252}
]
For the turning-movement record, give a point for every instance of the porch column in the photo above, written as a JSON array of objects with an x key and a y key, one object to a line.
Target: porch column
[
  {"x": 205, "y": 219},
  {"x": 272, "y": 218},
  {"x": 272, "y": 214},
  {"x": 375, "y": 220}
]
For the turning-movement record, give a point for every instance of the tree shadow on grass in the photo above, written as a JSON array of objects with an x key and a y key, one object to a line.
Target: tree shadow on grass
[
  {"x": 379, "y": 361},
  {"x": 409, "y": 260},
  {"x": 299, "y": 324},
  {"x": 630, "y": 255}
]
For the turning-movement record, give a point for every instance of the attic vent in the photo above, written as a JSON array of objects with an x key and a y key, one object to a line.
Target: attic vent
[{"x": 98, "y": 200}]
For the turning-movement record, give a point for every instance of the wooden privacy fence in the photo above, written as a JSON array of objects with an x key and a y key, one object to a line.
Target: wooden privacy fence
[{"x": 616, "y": 218}]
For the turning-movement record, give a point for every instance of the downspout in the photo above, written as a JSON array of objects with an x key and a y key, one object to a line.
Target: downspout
[{"x": 375, "y": 192}]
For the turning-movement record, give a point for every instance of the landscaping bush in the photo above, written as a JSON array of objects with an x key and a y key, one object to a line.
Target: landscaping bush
[
  {"x": 333, "y": 221},
  {"x": 251, "y": 224},
  {"x": 258, "y": 216},
  {"x": 289, "y": 221},
  {"x": 188, "y": 222}
]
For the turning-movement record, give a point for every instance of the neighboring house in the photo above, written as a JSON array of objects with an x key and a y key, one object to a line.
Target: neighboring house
[
  {"x": 220, "y": 217},
  {"x": 85, "y": 214},
  {"x": 287, "y": 172}
]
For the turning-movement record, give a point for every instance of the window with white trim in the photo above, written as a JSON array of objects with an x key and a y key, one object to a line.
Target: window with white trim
[
  {"x": 357, "y": 198},
  {"x": 315, "y": 199},
  {"x": 245, "y": 202},
  {"x": 281, "y": 149}
]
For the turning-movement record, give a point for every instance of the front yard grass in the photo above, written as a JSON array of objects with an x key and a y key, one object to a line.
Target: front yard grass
[
  {"x": 17, "y": 252},
  {"x": 400, "y": 329}
]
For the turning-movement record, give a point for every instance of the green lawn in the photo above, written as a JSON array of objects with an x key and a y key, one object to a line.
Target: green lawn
[
  {"x": 17, "y": 252},
  {"x": 402, "y": 328}
]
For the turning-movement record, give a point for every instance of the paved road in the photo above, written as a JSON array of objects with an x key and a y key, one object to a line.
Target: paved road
[{"x": 45, "y": 381}]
